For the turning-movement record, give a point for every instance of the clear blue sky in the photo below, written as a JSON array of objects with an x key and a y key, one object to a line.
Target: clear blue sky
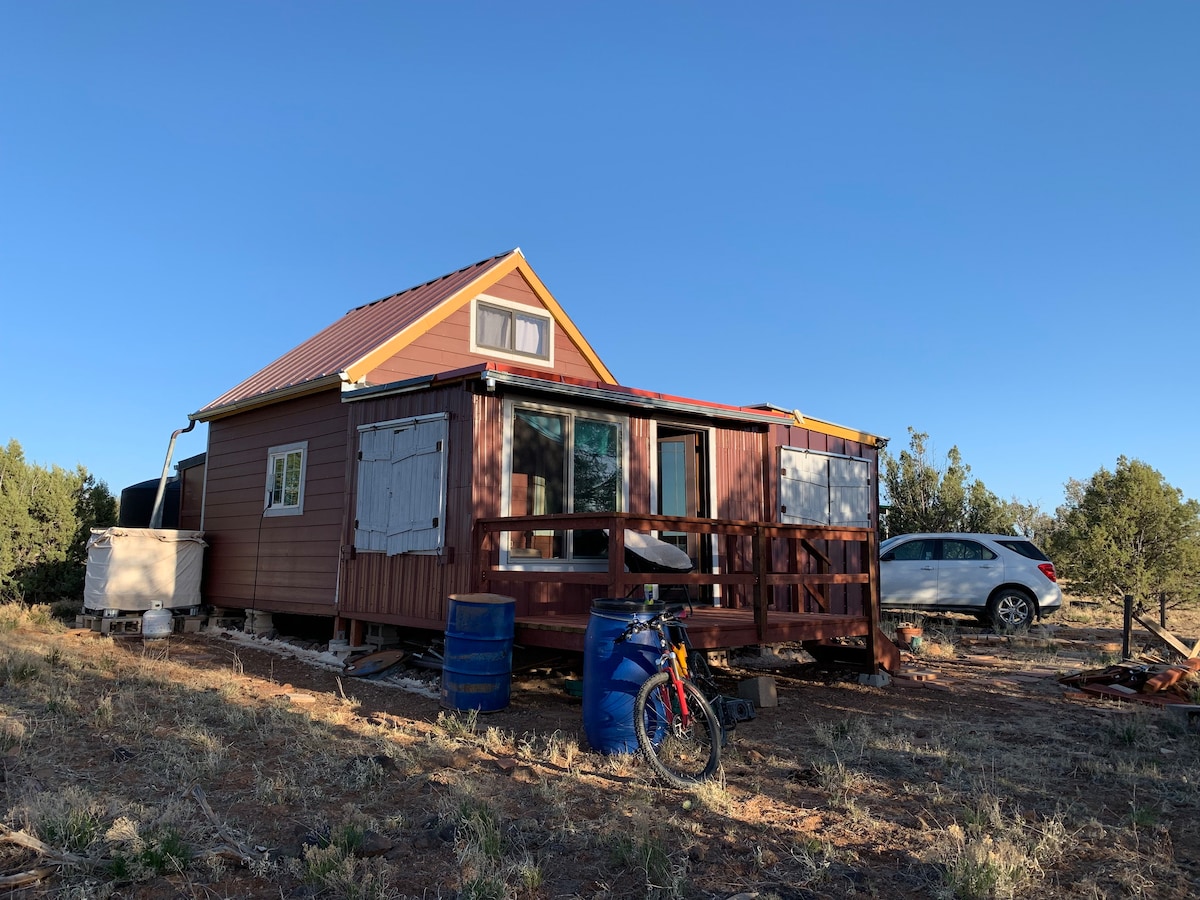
[{"x": 979, "y": 220}]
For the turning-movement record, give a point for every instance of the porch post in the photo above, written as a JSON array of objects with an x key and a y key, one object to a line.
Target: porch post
[
  {"x": 616, "y": 558},
  {"x": 762, "y": 590}
]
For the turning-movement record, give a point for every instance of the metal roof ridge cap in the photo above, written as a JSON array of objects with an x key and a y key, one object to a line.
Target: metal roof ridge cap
[{"x": 487, "y": 261}]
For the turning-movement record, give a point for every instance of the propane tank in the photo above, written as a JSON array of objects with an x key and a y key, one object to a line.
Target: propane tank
[{"x": 157, "y": 622}]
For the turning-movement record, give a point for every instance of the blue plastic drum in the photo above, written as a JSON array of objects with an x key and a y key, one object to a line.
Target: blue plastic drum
[
  {"x": 613, "y": 673},
  {"x": 477, "y": 667}
]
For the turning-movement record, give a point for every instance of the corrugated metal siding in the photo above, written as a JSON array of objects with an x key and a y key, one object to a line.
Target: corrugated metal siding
[
  {"x": 410, "y": 589},
  {"x": 354, "y": 335},
  {"x": 843, "y": 599},
  {"x": 281, "y": 563},
  {"x": 739, "y": 491},
  {"x": 739, "y": 488}
]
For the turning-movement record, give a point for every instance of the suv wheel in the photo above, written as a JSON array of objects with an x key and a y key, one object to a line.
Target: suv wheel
[{"x": 1011, "y": 610}]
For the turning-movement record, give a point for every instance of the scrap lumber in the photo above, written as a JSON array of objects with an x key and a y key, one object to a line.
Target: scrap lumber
[
  {"x": 232, "y": 849},
  {"x": 1167, "y": 638},
  {"x": 1157, "y": 683},
  {"x": 38, "y": 873}
]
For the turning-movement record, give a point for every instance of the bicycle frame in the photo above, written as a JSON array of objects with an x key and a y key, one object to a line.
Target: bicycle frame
[
  {"x": 673, "y": 660},
  {"x": 676, "y": 726}
]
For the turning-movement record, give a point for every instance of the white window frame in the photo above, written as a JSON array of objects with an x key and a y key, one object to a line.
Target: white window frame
[
  {"x": 509, "y": 353},
  {"x": 282, "y": 451},
  {"x": 569, "y": 564},
  {"x": 714, "y": 542}
]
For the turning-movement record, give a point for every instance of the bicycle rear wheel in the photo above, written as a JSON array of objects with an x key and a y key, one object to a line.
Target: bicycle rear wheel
[{"x": 682, "y": 752}]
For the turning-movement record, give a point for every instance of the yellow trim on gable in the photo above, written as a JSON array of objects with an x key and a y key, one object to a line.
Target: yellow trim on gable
[
  {"x": 515, "y": 262},
  {"x": 564, "y": 320},
  {"x": 840, "y": 431}
]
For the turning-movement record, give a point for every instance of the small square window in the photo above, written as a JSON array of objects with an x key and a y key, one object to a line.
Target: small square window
[{"x": 285, "y": 479}]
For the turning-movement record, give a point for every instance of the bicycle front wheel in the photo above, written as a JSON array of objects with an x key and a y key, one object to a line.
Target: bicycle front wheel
[{"x": 683, "y": 749}]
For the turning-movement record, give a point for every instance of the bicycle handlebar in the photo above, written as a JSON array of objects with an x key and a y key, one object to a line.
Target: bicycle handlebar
[{"x": 655, "y": 623}]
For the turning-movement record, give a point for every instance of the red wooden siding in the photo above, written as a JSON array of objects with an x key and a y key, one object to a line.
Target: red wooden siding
[
  {"x": 277, "y": 563},
  {"x": 446, "y": 346}
]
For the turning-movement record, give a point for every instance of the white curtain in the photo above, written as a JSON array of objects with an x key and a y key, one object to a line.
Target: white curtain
[
  {"x": 493, "y": 327},
  {"x": 531, "y": 335}
]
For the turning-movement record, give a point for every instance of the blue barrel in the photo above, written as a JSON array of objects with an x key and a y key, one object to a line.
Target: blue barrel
[
  {"x": 477, "y": 665},
  {"x": 613, "y": 673}
]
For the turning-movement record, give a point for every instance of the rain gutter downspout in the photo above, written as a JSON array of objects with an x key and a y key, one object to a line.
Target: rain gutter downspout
[{"x": 156, "y": 516}]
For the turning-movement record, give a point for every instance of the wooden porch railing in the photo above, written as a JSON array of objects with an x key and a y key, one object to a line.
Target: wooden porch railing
[{"x": 804, "y": 565}]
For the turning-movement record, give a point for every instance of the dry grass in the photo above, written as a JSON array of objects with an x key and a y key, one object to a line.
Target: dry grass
[{"x": 841, "y": 791}]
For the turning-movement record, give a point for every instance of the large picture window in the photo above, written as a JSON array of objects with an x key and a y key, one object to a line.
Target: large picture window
[
  {"x": 560, "y": 461},
  {"x": 285, "y": 479},
  {"x": 514, "y": 330}
]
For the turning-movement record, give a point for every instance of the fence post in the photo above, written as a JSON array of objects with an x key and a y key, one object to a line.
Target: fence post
[{"x": 1127, "y": 631}]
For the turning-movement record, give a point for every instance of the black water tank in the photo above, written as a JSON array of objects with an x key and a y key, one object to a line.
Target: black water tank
[{"x": 137, "y": 504}]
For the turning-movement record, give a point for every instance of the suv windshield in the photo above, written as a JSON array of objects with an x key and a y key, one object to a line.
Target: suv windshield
[{"x": 1025, "y": 548}]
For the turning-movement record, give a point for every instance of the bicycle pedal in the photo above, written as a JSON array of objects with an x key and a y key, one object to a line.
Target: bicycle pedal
[{"x": 734, "y": 710}]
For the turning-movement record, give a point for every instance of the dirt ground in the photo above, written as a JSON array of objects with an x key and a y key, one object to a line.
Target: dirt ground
[{"x": 978, "y": 775}]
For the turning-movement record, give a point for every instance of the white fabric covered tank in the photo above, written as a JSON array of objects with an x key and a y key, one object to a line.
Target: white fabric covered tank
[{"x": 137, "y": 569}]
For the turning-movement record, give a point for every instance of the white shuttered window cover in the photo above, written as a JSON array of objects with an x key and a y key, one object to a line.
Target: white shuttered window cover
[
  {"x": 402, "y": 486},
  {"x": 824, "y": 489}
]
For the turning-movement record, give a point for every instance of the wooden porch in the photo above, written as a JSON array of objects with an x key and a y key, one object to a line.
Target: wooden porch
[{"x": 776, "y": 582}]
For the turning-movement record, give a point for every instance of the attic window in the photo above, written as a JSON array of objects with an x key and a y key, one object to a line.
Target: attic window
[{"x": 514, "y": 330}]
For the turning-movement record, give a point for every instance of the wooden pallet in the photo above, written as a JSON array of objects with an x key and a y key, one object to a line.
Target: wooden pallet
[
  {"x": 132, "y": 624},
  {"x": 114, "y": 625}
]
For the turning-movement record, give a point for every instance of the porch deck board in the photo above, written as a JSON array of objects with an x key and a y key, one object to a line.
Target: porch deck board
[{"x": 709, "y": 628}]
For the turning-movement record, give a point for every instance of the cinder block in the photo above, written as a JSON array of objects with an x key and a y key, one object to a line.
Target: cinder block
[
  {"x": 379, "y": 635},
  {"x": 883, "y": 679},
  {"x": 760, "y": 691},
  {"x": 258, "y": 621}
]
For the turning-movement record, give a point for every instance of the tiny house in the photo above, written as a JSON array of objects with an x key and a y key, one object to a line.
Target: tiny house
[{"x": 463, "y": 435}]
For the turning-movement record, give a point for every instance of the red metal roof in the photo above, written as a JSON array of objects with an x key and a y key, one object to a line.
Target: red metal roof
[
  {"x": 600, "y": 390},
  {"x": 534, "y": 378},
  {"x": 363, "y": 329}
]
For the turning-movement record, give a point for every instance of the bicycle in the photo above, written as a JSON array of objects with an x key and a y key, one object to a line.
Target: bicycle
[{"x": 677, "y": 730}]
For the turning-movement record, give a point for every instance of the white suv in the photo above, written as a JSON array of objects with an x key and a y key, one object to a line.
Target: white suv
[{"x": 1002, "y": 579}]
